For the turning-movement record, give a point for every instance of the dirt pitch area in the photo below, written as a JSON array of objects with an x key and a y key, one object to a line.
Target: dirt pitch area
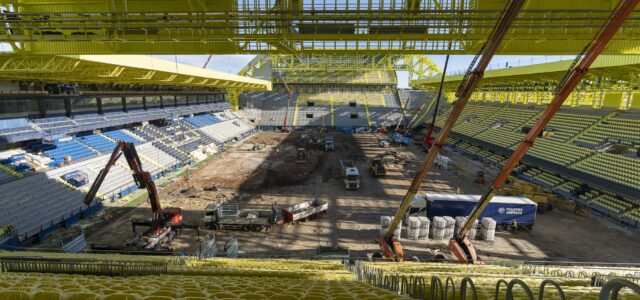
[{"x": 256, "y": 178}]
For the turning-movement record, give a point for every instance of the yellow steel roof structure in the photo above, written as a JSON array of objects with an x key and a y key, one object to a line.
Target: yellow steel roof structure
[
  {"x": 120, "y": 69},
  {"x": 607, "y": 70},
  {"x": 309, "y": 26}
]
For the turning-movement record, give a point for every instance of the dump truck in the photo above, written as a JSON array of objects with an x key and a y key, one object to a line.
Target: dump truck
[
  {"x": 503, "y": 209},
  {"x": 218, "y": 216},
  {"x": 376, "y": 168},
  {"x": 350, "y": 174},
  {"x": 305, "y": 210},
  {"x": 329, "y": 144}
]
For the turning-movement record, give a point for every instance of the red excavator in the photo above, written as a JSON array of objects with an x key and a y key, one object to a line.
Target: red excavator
[{"x": 164, "y": 223}]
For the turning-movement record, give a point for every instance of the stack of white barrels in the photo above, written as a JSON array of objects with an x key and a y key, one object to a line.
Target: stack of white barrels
[
  {"x": 413, "y": 228},
  {"x": 439, "y": 226},
  {"x": 471, "y": 235},
  {"x": 488, "y": 229},
  {"x": 385, "y": 223},
  {"x": 450, "y": 227},
  {"x": 424, "y": 228}
]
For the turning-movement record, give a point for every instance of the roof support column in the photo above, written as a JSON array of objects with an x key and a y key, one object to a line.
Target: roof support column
[
  {"x": 99, "y": 105},
  {"x": 233, "y": 98},
  {"x": 124, "y": 104},
  {"x": 67, "y": 107},
  {"x": 42, "y": 108}
]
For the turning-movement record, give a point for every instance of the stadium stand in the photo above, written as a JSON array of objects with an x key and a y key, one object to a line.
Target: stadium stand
[
  {"x": 206, "y": 279},
  {"x": 342, "y": 77},
  {"x": 161, "y": 149},
  {"x": 161, "y": 278},
  {"x": 42, "y": 127},
  {"x": 413, "y": 99},
  {"x": 32, "y": 211},
  {"x": 501, "y": 125}
]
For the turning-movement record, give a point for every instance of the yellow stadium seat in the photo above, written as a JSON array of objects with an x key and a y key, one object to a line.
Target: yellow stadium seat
[
  {"x": 46, "y": 296},
  {"x": 283, "y": 297},
  {"x": 82, "y": 296},
  {"x": 14, "y": 295},
  {"x": 120, "y": 296}
]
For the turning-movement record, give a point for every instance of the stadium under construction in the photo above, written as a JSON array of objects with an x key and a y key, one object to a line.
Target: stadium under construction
[{"x": 345, "y": 160}]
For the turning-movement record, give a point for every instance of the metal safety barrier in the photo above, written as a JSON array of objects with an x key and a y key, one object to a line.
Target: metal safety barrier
[
  {"x": 416, "y": 287},
  {"x": 82, "y": 266}
]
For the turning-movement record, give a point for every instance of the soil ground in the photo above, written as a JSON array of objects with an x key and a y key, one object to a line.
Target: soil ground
[{"x": 256, "y": 179}]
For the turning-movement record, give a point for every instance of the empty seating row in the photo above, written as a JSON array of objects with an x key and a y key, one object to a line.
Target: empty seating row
[
  {"x": 122, "y": 135},
  {"x": 98, "y": 142},
  {"x": 83, "y": 122},
  {"x": 622, "y": 128},
  {"x": 617, "y": 168},
  {"x": 562, "y": 154},
  {"x": 60, "y": 150},
  {"x": 202, "y": 120},
  {"x": 227, "y": 130},
  {"x": 31, "y": 210}
]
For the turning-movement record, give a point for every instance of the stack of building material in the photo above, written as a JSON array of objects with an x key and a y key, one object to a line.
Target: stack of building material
[
  {"x": 471, "y": 234},
  {"x": 488, "y": 229},
  {"x": 413, "y": 228},
  {"x": 424, "y": 228},
  {"x": 439, "y": 225},
  {"x": 450, "y": 227},
  {"x": 385, "y": 223}
]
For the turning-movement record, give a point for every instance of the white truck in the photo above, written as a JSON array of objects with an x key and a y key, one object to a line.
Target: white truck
[
  {"x": 329, "y": 145},
  {"x": 350, "y": 174}
]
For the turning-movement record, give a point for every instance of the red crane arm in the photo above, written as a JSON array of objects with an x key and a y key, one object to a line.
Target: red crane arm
[
  {"x": 142, "y": 178},
  {"x": 91, "y": 194}
]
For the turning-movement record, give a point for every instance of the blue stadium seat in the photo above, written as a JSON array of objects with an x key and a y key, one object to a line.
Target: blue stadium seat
[
  {"x": 120, "y": 135},
  {"x": 98, "y": 142}
]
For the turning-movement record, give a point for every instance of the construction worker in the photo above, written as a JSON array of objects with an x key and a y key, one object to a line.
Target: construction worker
[
  {"x": 458, "y": 191},
  {"x": 515, "y": 225}
]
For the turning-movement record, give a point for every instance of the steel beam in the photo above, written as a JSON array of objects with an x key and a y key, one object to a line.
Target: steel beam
[{"x": 366, "y": 27}]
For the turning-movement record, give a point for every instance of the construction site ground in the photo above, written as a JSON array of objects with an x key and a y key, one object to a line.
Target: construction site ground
[{"x": 258, "y": 178}]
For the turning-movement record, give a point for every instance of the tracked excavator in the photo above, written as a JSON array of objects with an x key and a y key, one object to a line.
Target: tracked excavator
[{"x": 164, "y": 224}]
